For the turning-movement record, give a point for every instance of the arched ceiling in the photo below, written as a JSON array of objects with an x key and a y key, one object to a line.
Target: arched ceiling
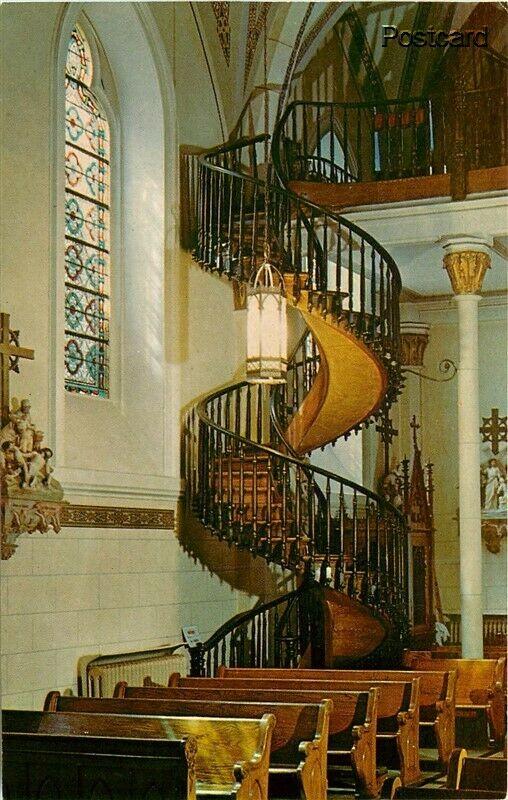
[{"x": 232, "y": 35}]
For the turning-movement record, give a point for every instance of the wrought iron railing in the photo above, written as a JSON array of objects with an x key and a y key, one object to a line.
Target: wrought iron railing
[
  {"x": 386, "y": 140},
  {"x": 243, "y": 480},
  {"x": 345, "y": 271},
  {"x": 272, "y": 634}
]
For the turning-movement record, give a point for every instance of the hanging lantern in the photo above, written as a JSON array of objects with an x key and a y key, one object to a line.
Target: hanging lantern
[{"x": 266, "y": 327}]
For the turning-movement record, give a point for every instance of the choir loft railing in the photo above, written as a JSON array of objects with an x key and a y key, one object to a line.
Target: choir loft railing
[{"x": 393, "y": 139}]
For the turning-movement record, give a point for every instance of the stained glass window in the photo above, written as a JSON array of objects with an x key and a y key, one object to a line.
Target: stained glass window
[{"x": 87, "y": 227}]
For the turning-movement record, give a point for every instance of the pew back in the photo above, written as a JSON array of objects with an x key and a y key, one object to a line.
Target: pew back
[
  {"x": 56, "y": 765},
  {"x": 472, "y": 673},
  {"x": 434, "y": 685},
  {"x": 295, "y": 722},
  {"x": 394, "y": 696}
]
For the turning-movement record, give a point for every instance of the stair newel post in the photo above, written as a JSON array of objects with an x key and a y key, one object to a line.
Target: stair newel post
[
  {"x": 298, "y": 503},
  {"x": 254, "y": 235},
  {"x": 238, "y": 412},
  {"x": 197, "y": 660},
  {"x": 259, "y": 415},
  {"x": 297, "y": 261},
  {"x": 373, "y": 321},
  {"x": 289, "y": 236},
  {"x": 354, "y": 565},
  {"x": 338, "y": 271},
  {"x": 324, "y": 272},
  {"x": 284, "y": 512},
  {"x": 382, "y": 309},
  {"x": 361, "y": 325},
  {"x": 325, "y": 569},
  {"x": 367, "y": 551},
  {"x": 305, "y": 136},
  {"x": 254, "y": 544},
  {"x": 241, "y": 214},
  {"x": 318, "y": 138},
  {"x": 231, "y": 185},
  {"x": 358, "y": 143},
  {"x": 346, "y": 143},
  {"x": 340, "y": 581},
  {"x": 219, "y": 484},
  {"x": 199, "y": 245},
  {"x": 386, "y": 566},
  {"x": 350, "y": 287},
  {"x": 269, "y": 506},
  {"x": 241, "y": 505},
  {"x": 379, "y": 587},
  {"x": 219, "y": 260},
  {"x": 311, "y": 544},
  {"x": 331, "y": 138}
]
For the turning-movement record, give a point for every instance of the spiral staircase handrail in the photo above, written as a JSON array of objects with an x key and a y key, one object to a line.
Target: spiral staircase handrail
[
  {"x": 276, "y": 160},
  {"x": 207, "y": 420}
]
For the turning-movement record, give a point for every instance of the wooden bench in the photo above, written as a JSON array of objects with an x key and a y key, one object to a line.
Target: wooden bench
[
  {"x": 437, "y": 695},
  {"x": 41, "y": 759},
  {"x": 298, "y": 757},
  {"x": 397, "y": 713},
  {"x": 467, "y": 778},
  {"x": 352, "y": 724},
  {"x": 232, "y": 756},
  {"x": 480, "y": 687}
]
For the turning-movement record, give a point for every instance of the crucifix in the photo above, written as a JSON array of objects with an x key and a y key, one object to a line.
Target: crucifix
[
  {"x": 10, "y": 353},
  {"x": 493, "y": 430},
  {"x": 387, "y": 431}
]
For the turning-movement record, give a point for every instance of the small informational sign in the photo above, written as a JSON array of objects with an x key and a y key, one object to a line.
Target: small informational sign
[{"x": 192, "y": 636}]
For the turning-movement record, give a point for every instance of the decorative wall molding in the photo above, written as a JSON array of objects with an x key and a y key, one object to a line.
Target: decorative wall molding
[
  {"x": 83, "y": 516},
  {"x": 87, "y": 484}
]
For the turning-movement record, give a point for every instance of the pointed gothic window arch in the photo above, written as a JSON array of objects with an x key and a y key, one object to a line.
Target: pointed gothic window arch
[{"x": 87, "y": 225}]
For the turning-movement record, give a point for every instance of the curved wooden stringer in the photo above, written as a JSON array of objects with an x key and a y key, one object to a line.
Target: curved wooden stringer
[
  {"x": 350, "y": 385},
  {"x": 246, "y": 470}
]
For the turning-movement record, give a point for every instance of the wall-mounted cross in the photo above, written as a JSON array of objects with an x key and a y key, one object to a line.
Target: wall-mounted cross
[
  {"x": 10, "y": 353},
  {"x": 493, "y": 430}
]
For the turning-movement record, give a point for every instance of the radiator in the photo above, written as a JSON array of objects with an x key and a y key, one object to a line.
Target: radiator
[{"x": 98, "y": 675}]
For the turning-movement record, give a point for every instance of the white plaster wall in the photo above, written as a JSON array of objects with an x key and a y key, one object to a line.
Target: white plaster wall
[
  {"x": 90, "y": 591},
  {"x": 439, "y": 439},
  {"x": 93, "y": 590}
]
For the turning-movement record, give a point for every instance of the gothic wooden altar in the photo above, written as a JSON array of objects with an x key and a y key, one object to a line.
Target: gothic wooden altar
[{"x": 417, "y": 494}]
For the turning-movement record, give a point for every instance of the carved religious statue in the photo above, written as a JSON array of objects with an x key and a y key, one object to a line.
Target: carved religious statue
[
  {"x": 23, "y": 458},
  {"x": 30, "y": 498}
]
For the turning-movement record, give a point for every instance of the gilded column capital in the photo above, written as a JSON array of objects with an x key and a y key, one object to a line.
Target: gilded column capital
[
  {"x": 466, "y": 261},
  {"x": 466, "y": 270},
  {"x": 414, "y": 337}
]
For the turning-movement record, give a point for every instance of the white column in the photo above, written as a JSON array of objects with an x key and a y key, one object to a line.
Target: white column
[
  {"x": 466, "y": 260},
  {"x": 471, "y": 598}
]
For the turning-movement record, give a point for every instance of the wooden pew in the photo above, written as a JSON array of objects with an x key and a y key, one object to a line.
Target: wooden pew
[
  {"x": 44, "y": 760},
  {"x": 231, "y": 758},
  {"x": 397, "y": 717},
  {"x": 467, "y": 778},
  {"x": 437, "y": 695},
  {"x": 481, "y": 686},
  {"x": 298, "y": 757},
  {"x": 352, "y": 724}
]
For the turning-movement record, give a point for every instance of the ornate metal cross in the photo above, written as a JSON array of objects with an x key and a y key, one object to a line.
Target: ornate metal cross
[
  {"x": 388, "y": 432},
  {"x": 10, "y": 353},
  {"x": 493, "y": 430}
]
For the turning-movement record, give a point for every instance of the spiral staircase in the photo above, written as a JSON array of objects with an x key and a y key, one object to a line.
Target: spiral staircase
[{"x": 246, "y": 446}]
